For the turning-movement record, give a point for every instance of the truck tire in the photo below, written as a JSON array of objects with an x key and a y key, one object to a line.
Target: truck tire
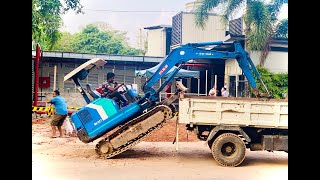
[{"x": 228, "y": 149}]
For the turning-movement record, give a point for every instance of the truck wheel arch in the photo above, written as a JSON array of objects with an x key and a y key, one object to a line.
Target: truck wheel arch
[{"x": 216, "y": 131}]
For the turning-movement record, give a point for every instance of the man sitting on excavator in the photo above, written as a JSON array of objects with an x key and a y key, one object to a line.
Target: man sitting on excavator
[{"x": 110, "y": 89}]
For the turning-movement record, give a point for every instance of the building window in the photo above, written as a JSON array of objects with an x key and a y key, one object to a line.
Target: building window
[
  {"x": 119, "y": 78},
  {"x": 129, "y": 79},
  {"x": 239, "y": 86},
  {"x": 69, "y": 86},
  {"x": 52, "y": 64},
  {"x": 69, "y": 65},
  {"x": 130, "y": 68},
  {"x": 108, "y": 68},
  {"x": 93, "y": 80},
  {"x": 51, "y": 75}
]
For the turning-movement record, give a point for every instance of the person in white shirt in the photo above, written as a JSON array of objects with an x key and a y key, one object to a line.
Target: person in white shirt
[
  {"x": 212, "y": 92},
  {"x": 224, "y": 92}
]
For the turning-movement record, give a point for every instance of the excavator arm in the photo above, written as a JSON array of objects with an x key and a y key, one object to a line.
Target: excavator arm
[{"x": 190, "y": 51}]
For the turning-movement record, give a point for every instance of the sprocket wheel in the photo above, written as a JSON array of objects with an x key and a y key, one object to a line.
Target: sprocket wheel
[{"x": 104, "y": 148}]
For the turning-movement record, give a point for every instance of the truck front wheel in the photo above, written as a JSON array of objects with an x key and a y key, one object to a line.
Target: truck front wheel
[{"x": 228, "y": 149}]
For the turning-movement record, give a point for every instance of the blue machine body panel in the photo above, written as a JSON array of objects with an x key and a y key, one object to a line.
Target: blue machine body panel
[
  {"x": 102, "y": 115},
  {"x": 132, "y": 93}
]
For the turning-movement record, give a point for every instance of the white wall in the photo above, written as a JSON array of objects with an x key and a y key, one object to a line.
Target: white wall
[
  {"x": 276, "y": 61},
  {"x": 231, "y": 68},
  {"x": 156, "y": 42},
  {"x": 214, "y": 29}
]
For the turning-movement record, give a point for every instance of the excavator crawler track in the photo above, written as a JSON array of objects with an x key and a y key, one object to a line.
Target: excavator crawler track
[{"x": 134, "y": 131}]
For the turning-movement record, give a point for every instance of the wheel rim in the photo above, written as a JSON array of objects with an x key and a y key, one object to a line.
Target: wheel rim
[{"x": 228, "y": 149}]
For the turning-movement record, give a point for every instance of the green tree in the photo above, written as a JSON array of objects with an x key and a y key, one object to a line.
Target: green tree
[
  {"x": 127, "y": 50},
  {"x": 93, "y": 40},
  {"x": 260, "y": 19},
  {"x": 282, "y": 29},
  {"x": 46, "y": 19},
  {"x": 277, "y": 83},
  {"x": 64, "y": 43},
  {"x": 132, "y": 51}
]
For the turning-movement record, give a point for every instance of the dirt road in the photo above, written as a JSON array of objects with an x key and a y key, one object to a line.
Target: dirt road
[{"x": 70, "y": 159}]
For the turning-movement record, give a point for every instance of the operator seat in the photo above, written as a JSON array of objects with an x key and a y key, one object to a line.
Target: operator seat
[{"x": 94, "y": 93}]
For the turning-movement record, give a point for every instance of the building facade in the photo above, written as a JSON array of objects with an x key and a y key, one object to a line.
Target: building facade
[
  {"x": 159, "y": 40},
  {"x": 55, "y": 65},
  {"x": 276, "y": 61},
  {"x": 184, "y": 29}
]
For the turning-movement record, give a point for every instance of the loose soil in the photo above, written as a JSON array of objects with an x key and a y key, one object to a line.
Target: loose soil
[{"x": 156, "y": 158}]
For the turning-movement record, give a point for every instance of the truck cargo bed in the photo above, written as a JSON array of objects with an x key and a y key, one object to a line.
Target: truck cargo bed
[{"x": 252, "y": 112}]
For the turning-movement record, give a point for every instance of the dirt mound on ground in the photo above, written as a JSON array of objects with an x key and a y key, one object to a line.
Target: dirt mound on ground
[{"x": 166, "y": 134}]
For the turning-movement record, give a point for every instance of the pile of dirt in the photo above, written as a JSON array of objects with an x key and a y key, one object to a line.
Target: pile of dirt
[{"x": 166, "y": 134}]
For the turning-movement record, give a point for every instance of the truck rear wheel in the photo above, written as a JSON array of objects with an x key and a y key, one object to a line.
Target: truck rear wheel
[{"x": 228, "y": 149}]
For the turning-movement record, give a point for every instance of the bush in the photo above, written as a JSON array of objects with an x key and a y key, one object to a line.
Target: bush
[{"x": 276, "y": 83}]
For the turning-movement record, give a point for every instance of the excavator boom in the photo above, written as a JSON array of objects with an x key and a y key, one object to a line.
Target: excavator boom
[{"x": 205, "y": 50}]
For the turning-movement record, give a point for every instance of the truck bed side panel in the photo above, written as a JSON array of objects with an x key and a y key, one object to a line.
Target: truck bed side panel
[{"x": 234, "y": 111}]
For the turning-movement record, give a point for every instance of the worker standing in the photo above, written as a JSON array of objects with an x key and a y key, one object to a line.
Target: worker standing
[
  {"x": 224, "y": 92},
  {"x": 213, "y": 92},
  {"x": 61, "y": 112}
]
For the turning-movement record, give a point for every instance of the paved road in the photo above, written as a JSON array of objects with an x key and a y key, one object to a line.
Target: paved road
[{"x": 71, "y": 160}]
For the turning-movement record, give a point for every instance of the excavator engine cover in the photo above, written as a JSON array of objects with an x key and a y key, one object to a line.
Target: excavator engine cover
[{"x": 92, "y": 115}]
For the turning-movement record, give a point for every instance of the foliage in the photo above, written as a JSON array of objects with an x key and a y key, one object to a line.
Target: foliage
[
  {"x": 282, "y": 29},
  {"x": 133, "y": 51},
  {"x": 276, "y": 83},
  {"x": 46, "y": 19},
  {"x": 64, "y": 43},
  {"x": 93, "y": 39},
  {"x": 260, "y": 19},
  {"x": 274, "y": 8}
]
